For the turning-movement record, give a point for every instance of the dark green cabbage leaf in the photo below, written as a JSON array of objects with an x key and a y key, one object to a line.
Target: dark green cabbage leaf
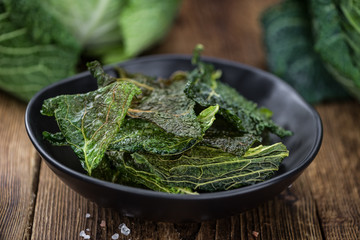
[
  {"x": 200, "y": 169},
  {"x": 32, "y": 59},
  {"x": 291, "y": 55},
  {"x": 314, "y": 45},
  {"x": 90, "y": 121},
  {"x": 170, "y": 109},
  {"x": 138, "y": 135},
  {"x": 204, "y": 87},
  {"x": 336, "y": 28},
  {"x": 235, "y": 143},
  {"x": 162, "y": 134}
]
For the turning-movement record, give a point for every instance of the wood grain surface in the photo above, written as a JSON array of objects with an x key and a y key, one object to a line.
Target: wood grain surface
[
  {"x": 323, "y": 203},
  {"x": 19, "y": 166}
]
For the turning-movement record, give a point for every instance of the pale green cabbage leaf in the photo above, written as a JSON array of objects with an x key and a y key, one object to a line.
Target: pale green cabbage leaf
[{"x": 43, "y": 41}]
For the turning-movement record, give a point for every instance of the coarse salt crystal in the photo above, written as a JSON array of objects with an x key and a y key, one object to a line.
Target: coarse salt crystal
[
  {"x": 124, "y": 229},
  {"x": 87, "y": 215},
  {"x": 115, "y": 236},
  {"x": 82, "y": 233}
]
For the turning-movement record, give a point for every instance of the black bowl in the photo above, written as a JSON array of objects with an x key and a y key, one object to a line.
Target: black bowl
[{"x": 290, "y": 111}]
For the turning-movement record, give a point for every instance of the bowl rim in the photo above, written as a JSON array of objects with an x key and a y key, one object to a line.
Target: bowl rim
[{"x": 184, "y": 197}]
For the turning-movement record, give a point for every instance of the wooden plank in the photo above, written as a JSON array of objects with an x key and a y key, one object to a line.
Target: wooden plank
[
  {"x": 18, "y": 171},
  {"x": 291, "y": 215},
  {"x": 335, "y": 174},
  {"x": 60, "y": 213},
  {"x": 228, "y": 29}
]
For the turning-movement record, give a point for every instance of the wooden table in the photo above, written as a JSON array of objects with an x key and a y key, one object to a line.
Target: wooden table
[{"x": 323, "y": 202}]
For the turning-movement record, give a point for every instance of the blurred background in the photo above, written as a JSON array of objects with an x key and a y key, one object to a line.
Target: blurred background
[{"x": 313, "y": 45}]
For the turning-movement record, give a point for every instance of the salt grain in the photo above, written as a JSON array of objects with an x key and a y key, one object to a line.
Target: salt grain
[
  {"x": 87, "y": 215},
  {"x": 82, "y": 233},
  {"x": 115, "y": 236},
  {"x": 124, "y": 229}
]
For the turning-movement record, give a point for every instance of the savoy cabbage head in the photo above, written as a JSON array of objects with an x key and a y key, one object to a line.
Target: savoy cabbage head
[
  {"x": 42, "y": 41},
  {"x": 315, "y": 46}
]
